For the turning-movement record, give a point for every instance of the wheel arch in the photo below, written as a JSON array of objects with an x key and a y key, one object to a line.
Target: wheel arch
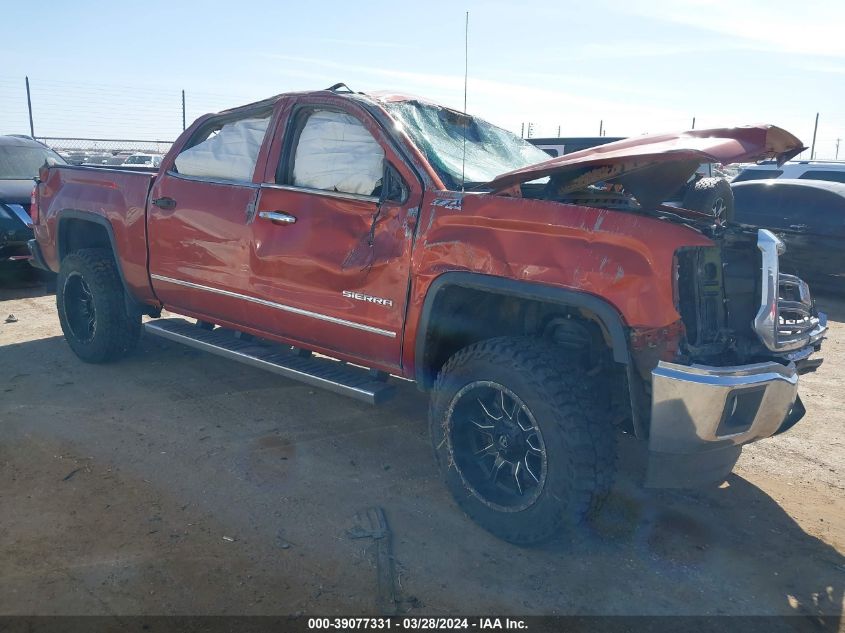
[
  {"x": 425, "y": 348},
  {"x": 76, "y": 229}
]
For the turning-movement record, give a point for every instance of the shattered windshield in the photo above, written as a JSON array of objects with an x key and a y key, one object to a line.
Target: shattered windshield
[{"x": 439, "y": 134}]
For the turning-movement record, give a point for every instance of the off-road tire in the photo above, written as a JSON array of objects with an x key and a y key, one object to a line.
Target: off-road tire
[
  {"x": 115, "y": 333},
  {"x": 579, "y": 438},
  {"x": 711, "y": 195}
]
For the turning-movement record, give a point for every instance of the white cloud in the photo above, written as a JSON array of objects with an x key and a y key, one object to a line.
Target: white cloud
[{"x": 813, "y": 28}]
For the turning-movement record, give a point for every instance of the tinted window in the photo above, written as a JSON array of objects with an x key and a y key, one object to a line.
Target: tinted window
[
  {"x": 785, "y": 207},
  {"x": 754, "y": 204},
  {"x": 817, "y": 174},
  {"x": 757, "y": 174},
  {"x": 19, "y": 162}
]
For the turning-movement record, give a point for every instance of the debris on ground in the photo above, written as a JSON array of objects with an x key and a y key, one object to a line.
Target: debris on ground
[
  {"x": 71, "y": 474},
  {"x": 11, "y": 319},
  {"x": 372, "y": 523}
]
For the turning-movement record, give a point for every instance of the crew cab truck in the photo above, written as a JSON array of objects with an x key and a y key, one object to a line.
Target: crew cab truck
[{"x": 547, "y": 305}]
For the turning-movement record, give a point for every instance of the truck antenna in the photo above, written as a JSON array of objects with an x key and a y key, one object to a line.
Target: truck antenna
[{"x": 466, "y": 73}]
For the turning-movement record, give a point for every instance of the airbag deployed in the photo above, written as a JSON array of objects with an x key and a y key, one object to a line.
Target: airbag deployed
[
  {"x": 336, "y": 153},
  {"x": 230, "y": 154}
]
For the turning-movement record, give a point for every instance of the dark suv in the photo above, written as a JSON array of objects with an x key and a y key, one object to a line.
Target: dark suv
[
  {"x": 809, "y": 216},
  {"x": 20, "y": 159}
]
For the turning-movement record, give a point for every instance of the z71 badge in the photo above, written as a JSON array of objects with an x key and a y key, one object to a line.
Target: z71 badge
[{"x": 360, "y": 296}]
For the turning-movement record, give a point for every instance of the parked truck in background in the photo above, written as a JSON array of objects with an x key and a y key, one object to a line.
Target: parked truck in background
[{"x": 546, "y": 304}]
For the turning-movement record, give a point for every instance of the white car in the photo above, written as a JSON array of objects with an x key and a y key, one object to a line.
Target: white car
[
  {"x": 801, "y": 169},
  {"x": 142, "y": 160}
]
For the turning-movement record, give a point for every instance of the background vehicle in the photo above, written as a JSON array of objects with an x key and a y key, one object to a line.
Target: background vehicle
[
  {"x": 833, "y": 171},
  {"x": 558, "y": 146},
  {"x": 809, "y": 216},
  {"x": 20, "y": 159},
  {"x": 142, "y": 160},
  {"x": 545, "y": 304}
]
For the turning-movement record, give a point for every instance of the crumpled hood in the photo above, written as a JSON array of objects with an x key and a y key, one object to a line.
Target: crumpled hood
[{"x": 670, "y": 158}]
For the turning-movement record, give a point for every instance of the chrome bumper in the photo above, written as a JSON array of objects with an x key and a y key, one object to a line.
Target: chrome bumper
[{"x": 701, "y": 416}]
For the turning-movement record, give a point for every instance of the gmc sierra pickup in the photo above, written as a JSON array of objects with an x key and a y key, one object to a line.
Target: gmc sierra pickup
[{"x": 547, "y": 305}]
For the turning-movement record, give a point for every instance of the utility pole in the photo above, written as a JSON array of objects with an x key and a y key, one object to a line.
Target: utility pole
[
  {"x": 558, "y": 131},
  {"x": 29, "y": 106},
  {"x": 601, "y": 126},
  {"x": 522, "y": 130},
  {"x": 183, "y": 110},
  {"x": 837, "y": 148},
  {"x": 693, "y": 123},
  {"x": 530, "y": 129},
  {"x": 815, "y": 129}
]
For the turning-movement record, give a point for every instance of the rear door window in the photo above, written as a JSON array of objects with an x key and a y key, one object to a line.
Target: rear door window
[
  {"x": 790, "y": 208},
  {"x": 819, "y": 174},
  {"x": 757, "y": 174},
  {"x": 227, "y": 150}
]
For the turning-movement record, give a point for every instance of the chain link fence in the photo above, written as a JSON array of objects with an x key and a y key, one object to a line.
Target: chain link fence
[{"x": 102, "y": 151}]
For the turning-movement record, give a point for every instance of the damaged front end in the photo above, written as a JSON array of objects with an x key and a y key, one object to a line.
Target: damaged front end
[
  {"x": 726, "y": 373},
  {"x": 749, "y": 332}
]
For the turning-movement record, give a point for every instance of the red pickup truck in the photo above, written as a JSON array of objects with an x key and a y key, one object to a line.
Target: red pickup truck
[{"x": 546, "y": 304}]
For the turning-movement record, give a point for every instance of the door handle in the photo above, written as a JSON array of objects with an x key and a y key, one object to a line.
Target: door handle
[
  {"x": 277, "y": 217},
  {"x": 165, "y": 203}
]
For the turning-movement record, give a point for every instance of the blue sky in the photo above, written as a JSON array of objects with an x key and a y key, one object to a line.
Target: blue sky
[{"x": 117, "y": 68}]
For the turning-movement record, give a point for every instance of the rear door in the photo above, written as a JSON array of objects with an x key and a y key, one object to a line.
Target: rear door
[
  {"x": 198, "y": 219},
  {"x": 332, "y": 237}
]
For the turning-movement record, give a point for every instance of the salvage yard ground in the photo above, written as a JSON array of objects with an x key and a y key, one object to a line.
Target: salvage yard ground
[{"x": 177, "y": 482}]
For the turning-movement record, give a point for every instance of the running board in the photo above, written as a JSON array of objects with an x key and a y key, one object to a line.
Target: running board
[{"x": 286, "y": 361}]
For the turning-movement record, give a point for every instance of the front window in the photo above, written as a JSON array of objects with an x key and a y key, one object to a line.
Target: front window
[
  {"x": 335, "y": 152},
  {"x": 441, "y": 134},
  {"x": 21, "y": 162}
]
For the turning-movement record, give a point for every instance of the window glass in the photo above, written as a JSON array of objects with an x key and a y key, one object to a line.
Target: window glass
[
  {"x": 228, "y": 151},
  {"x": 757, "y": 174},
  {"x": 463, "y": 148},
  {"x": 815, "y": 210},
  {"x": 22, "y": 162},
  {"x": 335, "y": 152},
  {"x": 783, "y": 207},
  {"x": 817, "y": 174},
  {"x": 753, "y": 204}
]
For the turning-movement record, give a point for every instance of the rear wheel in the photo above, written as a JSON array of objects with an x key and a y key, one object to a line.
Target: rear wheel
[
  {"x": 525, "y": 447},
  {"x": 91, "y": 306}
]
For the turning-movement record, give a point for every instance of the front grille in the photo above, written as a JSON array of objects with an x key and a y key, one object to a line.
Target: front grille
[
  {"x": 787, "y": 319},
  {"x": 795, "y": 310}
]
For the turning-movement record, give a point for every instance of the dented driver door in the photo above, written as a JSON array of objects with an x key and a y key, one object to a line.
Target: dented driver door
[{"x": 332, "y": 235}]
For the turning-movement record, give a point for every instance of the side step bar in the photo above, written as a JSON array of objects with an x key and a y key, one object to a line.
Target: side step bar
[{"x": 328, "y": 374}]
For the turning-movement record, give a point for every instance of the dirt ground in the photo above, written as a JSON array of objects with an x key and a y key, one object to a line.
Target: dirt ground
[{"x": 174, "y": 482}]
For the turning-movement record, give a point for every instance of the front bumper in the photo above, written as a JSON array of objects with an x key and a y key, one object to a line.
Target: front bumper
[
  {"x": 36, "y": 257},
  {"x": 701, "y": 416}
]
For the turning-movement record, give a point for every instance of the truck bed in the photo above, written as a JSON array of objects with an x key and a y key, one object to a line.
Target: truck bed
[{"x": 115, "y": 198}]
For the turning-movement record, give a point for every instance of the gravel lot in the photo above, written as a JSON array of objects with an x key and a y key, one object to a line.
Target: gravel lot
[{"x": 175, "y": 482}]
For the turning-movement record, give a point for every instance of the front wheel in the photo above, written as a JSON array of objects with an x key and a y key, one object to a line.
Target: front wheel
[
  {"x": 91, "y": 306},
  {"x": 525, "y": 446}
]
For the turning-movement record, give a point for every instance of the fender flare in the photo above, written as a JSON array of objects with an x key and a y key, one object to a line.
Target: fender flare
[
  {"x": 606, "y": 313},
  {"x": 132, "y": 304}
]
